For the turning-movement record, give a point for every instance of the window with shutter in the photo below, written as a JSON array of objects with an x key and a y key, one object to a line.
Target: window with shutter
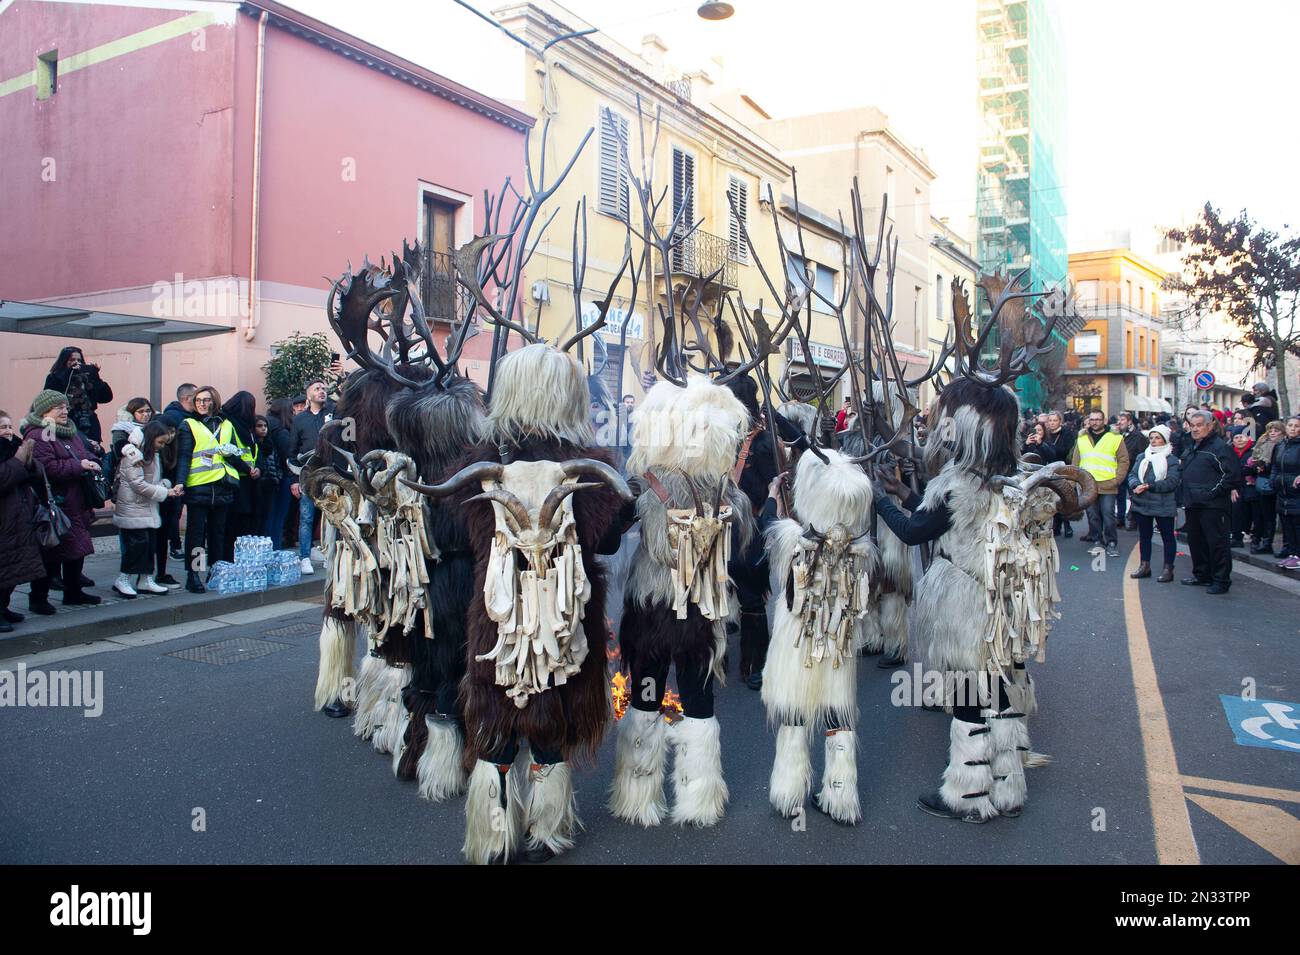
[
  {"x": 614, "y": 199},
  {"x": 684, "y": 197},
  {"x": 738, "y": 191}
]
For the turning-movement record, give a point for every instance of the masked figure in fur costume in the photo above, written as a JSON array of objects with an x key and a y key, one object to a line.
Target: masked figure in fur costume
[
  {"x": 824, "y": 560},
  {"x": 679, "y": 597},
  {"x": 538, "y": 500},
  {"x": 412, "y": 414},
  {"x": 985, "y": 603}
]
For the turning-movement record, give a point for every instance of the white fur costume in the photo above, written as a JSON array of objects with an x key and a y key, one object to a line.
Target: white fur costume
[{"x": 823, "y": 564}]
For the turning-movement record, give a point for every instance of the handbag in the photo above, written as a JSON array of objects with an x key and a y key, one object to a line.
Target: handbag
[
  {"x": 95, "y": 488},
  {"x": 50, "y": 520}
]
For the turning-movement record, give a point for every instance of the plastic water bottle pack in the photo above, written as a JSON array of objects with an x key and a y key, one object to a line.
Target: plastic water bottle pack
[{"x": 225, "y": 578}]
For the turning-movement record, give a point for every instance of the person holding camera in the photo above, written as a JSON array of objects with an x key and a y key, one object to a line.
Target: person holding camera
[
  {"x": 66, "y": 460},
  {"x": 84, "y": 388}
]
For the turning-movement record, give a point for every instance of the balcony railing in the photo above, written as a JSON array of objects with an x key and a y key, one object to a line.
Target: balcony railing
[
  {"x": 443, "y": 299},
  {"x": 701, "y": 254}
]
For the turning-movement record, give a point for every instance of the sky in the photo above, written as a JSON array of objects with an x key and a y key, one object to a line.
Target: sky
[{"x": 1169, "y": 103}]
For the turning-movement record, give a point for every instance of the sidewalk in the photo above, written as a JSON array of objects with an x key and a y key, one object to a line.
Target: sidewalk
[{"x": 117, "y": 615}]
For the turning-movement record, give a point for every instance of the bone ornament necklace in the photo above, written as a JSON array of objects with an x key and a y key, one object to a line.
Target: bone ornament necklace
[
  {"x": 536, "y": 588},
  {"x": 699, "y": 540},
  {"x": 830, "y": 580},
  {"x": 401, "y": 544}
]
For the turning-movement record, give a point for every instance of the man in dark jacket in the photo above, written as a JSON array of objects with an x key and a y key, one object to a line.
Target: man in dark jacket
[
  {"x": 1135, "y": 443},
  {"x": 302, "y": 438},
  {"x": 1062, "y": 438},
  {"x": 1211, "y": 479}
]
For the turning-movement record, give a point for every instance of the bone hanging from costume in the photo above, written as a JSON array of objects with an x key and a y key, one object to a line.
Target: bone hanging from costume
[
  {"x": 1021, "y": 563},
  {"x": 353, "y": 583},
  {"x": 536, "y": 588},
  {"x": 700, "y": 542},
  {"x": 401, "y": 544},
  {"x": 830, "y": 574}
]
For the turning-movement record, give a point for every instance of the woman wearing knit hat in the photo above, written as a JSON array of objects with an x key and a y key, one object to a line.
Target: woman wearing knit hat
[
  {"x": 1152, "y": 485},
  {"x": 64, "y": 456}
]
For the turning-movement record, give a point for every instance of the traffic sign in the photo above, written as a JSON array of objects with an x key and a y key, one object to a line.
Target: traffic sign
[{"x": 1204, "y": 380}]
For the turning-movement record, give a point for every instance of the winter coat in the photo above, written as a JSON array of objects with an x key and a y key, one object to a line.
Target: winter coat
[
  {"x": 1121, "y": 463},
  {"x": 140, "y": 489},
  {"x": 1285, "y": 469},
  {"x": 1063, "y": 442},
  {"x": 306, "y": 429},
  {"x": 174, "y": 414},
  {"x": 1211, "y": 472},
  {"x": 1158, "y": 499},
  {"x": 1044, "y": 449},
  {"x": 20, "y": 554},
  {"x": 1249, "y": 473},
  {"x": 94, "y": 389},
  {"x": 218, "y": 493},
  {"x": 268, "y": 461},
  {"x": 1135, "y": 442},
  {"x": 61, "y": 458},
  {"x": 278, "y": 436}
]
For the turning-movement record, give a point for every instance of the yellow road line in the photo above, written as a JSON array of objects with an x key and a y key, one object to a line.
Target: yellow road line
[
  {"x": 1175, "y": 844},
  {"x": 1274, "y": 830},
  {"x": 1241, "y": 789}
]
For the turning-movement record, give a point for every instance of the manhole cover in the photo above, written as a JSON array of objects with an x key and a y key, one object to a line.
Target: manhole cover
[
  {"x": 230, "y": 651},
  {"x": 294, "y": 630}
]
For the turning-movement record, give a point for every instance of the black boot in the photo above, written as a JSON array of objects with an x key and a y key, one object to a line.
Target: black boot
[
  {"x": 336, "y": 710},
  {"x": 194, "y": 583},
  {"x": 933, "y": 804}
]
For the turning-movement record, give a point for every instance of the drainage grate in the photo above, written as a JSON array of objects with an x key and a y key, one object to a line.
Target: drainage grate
[
  {"x": 234, "y": 650},
  {"x": 293, "y": 630}
]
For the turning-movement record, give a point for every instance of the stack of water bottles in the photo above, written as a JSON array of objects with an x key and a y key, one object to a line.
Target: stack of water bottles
[
  {"x": 224, "y": 578},
  {"x": 284, "y": 567}
]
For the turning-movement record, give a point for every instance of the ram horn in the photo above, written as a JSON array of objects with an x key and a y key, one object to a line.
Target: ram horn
[
  {"x": 514, "y": 507},
  {"x": 1087, "y": 495},
  {"x": 480, "y": 471},
  {"x": 556, "y": 497},
  {"x": 590, "y": 467}
]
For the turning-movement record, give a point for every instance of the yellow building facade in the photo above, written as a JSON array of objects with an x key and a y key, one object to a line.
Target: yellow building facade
[
  {"x": 701, "y": 156},
  {"x": 1115, "y": 360}
]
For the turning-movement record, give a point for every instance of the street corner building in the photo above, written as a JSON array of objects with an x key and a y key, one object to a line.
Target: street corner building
[{"x": 180, "y": 180}]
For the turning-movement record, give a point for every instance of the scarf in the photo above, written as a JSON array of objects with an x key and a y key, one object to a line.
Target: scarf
[
  {"x": 33, "y": 420},
  {"x": 1155, "y": 463}
]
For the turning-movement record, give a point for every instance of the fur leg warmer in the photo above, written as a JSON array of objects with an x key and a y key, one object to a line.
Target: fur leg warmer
[
  {"x": 791, "y": 779},
  {"x": 441, "y": 771},
  {"x": 637, "y": 793},
  {"x": 1008, "y": 739},
  {"x": 968, "y": 780},
  {"x": 368, "y": 691},
  {"x": 338, "y": 645},
  {"x": 552, "y": 817},
  {"x": 401, "y": 742},
  {"x": 868, "y": 638},
  {"x": 1024, "y": 697},
  {"x": 390, "y": 712},
  {"x": 839, "y": 794},
  {"x": 893, "y": 625},
  {"x": 699, "y": 791},
  {"x": 492, "y": 814}
]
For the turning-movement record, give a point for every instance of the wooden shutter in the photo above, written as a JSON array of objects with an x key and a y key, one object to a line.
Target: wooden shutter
[
  {"x": 614, "y": 198},
  {"x": 738, "y": 190},
  {"x": 684, "y": 198}
]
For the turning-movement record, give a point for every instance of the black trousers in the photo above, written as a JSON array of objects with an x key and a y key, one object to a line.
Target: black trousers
[
  {"x": 1290, "y": 533},
  {"x": 754, "y": 638},
  {"x": 205, "y": 534},
  {"x": 1207, "y": 540},
  {"x": 69, "y": 571},
  {"x": 137, "y": 547},
  {"x": 170, "y": 532},
  {"x": 695, "y": 687},
  {"x": 1264, "y": 518}
]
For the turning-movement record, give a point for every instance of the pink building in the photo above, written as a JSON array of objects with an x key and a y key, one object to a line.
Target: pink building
[{"x": 160, "y": 162}]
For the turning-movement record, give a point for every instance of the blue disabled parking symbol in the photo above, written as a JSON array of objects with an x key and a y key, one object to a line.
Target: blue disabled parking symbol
[{"x": 1272, "y": 724}]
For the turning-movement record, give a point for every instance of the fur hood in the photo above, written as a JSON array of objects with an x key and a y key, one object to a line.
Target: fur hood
[{"x": 696, "y": 430}]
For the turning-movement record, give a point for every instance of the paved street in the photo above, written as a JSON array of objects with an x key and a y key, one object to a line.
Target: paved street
[{"x": 279, "y": 783}]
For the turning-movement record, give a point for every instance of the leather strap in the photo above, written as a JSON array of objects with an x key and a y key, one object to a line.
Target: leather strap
[
  {"x": 744, "y": 455},
  {"x": 660, "y": 491}
]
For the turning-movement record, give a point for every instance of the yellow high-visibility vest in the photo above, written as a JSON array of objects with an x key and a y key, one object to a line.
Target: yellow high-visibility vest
[
  {"x": 248, "y": 454},
  {"x": 208, "y": 470},
  {"x": 1100, "y": 460}
]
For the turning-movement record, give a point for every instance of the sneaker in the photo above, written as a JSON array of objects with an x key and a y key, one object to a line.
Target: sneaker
[
  {"x": 305, "y": 566},
  {"x": 177, "y": 554},
  {"x": 1112, "y": 550},
  {"x": 1291, "y": 563},
  {"x": 168, "y": 581},
  {"x": 318, "y": 555}
]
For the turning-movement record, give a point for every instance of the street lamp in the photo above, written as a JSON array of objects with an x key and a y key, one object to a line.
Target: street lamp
[{"x": 715, "y": 11}]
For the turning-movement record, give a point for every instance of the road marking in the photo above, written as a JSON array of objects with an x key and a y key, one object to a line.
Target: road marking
[
  {"x": 1175, "y": 844},
  {"x": 1270, "y": 724},
  {"x": 1241, "y": 789},
  {"x": 1272, "y": 829}
]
